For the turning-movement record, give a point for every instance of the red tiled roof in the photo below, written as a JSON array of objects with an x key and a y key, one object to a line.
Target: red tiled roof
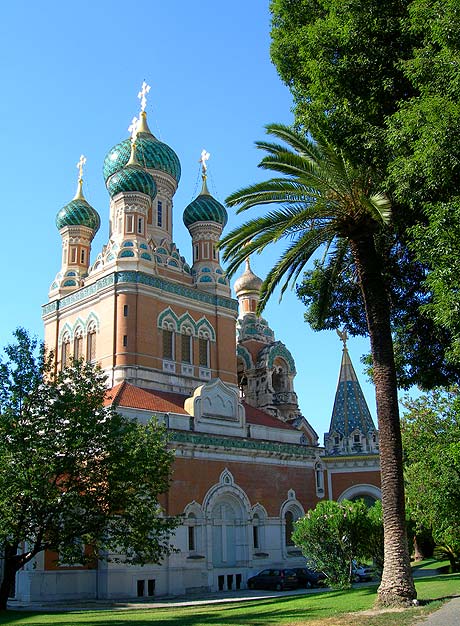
[
  {"x": 130, "y": 396},
  {"x": 260, "y": 418},
  {"x": 133, "y": 397}
]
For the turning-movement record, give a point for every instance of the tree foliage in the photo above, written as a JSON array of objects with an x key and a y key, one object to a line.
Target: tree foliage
[
  {"x": 431, "y": 440},
  {"x": 74, "y": 472},
  {"x": 382, "y": 81},
  {"x": 335, "y": 534}
]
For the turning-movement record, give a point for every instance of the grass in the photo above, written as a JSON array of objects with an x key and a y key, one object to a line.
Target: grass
[
  {"x": 432, "y": 563},
  {"x": 333, "y": 608}
]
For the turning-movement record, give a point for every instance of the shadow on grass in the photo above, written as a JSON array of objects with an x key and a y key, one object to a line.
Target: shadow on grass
[{"x": 250, "y": 613}]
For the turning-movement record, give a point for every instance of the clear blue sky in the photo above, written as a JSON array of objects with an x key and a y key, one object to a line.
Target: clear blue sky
[{"x": 70, "y": 74}]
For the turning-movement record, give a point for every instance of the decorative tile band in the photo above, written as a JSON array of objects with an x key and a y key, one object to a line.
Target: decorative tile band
[
  {"x": 144, "y": 279},
  {"x": 229, "y": 443}
]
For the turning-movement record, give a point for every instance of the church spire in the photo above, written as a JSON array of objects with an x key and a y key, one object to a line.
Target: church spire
[{"x": 352, "y": 430}]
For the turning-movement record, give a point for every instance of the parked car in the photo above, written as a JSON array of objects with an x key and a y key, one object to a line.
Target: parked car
[
  {"x": 309, "y": 578},
  {"x": 278, "y": 579},
  {"x": 361, "y": 573}
]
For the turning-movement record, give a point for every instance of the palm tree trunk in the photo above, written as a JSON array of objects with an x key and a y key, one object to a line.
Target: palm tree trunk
[{"x": 397, "y": 586}]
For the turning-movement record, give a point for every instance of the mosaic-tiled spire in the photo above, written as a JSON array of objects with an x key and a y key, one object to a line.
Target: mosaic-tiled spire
[{"x": 352, "y": 428}]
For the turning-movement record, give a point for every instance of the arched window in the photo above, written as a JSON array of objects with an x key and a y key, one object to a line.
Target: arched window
[
  {"x": 191, "y": 519},
  {"x": 186, "y": 345},
  {"x": 289, "y": 527},
  {"x": 319, "y": 479},
  {"x": 168, "y": 344},
  {"x": 65, "y": 350},
  {"x": 91, "y": 343},
  {"x": 78, "y": 343},
  {"x": 256, "y": 531},
  {"x": 203, "y": 348}
]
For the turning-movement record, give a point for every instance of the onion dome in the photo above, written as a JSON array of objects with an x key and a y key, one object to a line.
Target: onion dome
[
  {"x": 78, "y": 212},
  {"x": 133, "y": 177},
  {"x": 150, "y": 152},
  {"x": 248, "y": 281},
  {"x": 205, "y": 208}
]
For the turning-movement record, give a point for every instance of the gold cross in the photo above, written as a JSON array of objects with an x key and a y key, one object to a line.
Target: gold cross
[
  {"x": 132, "y": 128},
  {"x": 142, "y": 95},
  {"x": 80, "y": 165},
  {"x": 204, "y": 157}
]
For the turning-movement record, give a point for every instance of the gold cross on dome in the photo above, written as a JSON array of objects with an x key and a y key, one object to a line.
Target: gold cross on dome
[
  {"x": 80, "y": 165},
  {"x": 142, "y": 95},
  {"x": 132, "y": 128},
  {"x": 204, "y": 157}
]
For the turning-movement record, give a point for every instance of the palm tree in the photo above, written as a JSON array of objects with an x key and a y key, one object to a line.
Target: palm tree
[{"x": 324, "y": 203}]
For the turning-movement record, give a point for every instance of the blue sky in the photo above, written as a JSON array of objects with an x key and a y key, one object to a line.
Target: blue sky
[{"x": 70, "y": 74}]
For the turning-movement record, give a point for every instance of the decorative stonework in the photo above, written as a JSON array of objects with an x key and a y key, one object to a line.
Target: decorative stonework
[
  {"x": 231, "y": 443},
  {"x": 215, "y": 401},
  {"x": 187, "y": 323},
  {"x": 253, "y": 327},
  {"x": 140, "y": 278}
]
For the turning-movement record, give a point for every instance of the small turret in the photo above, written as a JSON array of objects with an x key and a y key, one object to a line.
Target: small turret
[
  {"x": 78, "y": 222},
  {"x": 205, "y": 218}
]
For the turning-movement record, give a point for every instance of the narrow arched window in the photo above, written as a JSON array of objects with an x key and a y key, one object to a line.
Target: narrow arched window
[
  {"x": 78, "y": 344},
  {"x": 289, "y": 522},
  {"x": 168, "y": 344},
  {"x": 65, "y": 351},
  {"x": 256, "y": 531},
  {"x": 91, "y": 343},
  {"x": 186, "y": 348}
]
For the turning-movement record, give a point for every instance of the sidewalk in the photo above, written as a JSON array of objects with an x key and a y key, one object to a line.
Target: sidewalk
[{"x": 447, "y": 615}]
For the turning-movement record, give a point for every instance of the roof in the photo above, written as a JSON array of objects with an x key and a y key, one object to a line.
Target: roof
[
  {"x": 350, "y": 410},
  {"x": 130, "y": 396}
]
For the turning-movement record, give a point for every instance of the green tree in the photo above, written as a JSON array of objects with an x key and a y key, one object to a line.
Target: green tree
[
  {"x": 73, "y": 472},
  {"x": 327, "y": 203},
  {"x": 382, "y": 81},
  {"x": 431, "y": 440},
  {"x": 335, "y": 534}
]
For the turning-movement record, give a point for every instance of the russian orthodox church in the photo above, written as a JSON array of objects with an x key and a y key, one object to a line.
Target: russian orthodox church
[{"x": 175, "y": 344}]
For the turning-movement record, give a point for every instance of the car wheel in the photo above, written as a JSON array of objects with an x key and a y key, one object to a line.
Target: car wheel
[
  {"x": 357, "y": 579},
  {"x": 279, "y": 587},
  {"x": 250, "y": 585}
]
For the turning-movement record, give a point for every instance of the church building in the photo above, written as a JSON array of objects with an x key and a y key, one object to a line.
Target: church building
[{"x": 176, "y": 344}]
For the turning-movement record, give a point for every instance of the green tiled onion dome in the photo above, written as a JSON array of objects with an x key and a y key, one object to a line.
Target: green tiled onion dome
[
  {"x": 78, "y": 212},
  {"x": 205, "y": 208},
  {"x": 132, "y": 178},
  {"x": 150, "y": 152}
]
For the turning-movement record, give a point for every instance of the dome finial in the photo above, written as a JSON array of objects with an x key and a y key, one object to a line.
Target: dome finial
[
  {"x": 204, "y": 168},
  {"x": 133, "y": 128},
  {"x": 79, "y": 195},
  {"x": 142, "y": 95}
]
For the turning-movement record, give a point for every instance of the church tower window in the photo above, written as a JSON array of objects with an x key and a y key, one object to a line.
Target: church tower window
[
  {"x": 140, "y": 225},
  {"x": 130, "y": 223},
  {"x": 160, "y": 213}
]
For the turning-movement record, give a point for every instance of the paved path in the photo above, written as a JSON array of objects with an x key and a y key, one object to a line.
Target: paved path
[{"x": 447, "y": 615}]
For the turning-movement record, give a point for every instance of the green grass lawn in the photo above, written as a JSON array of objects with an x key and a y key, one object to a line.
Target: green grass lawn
[{"x": 327, "y": 608}]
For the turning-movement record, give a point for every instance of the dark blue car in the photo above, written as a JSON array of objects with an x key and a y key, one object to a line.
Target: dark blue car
[{"x": 273, "y": 578}]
